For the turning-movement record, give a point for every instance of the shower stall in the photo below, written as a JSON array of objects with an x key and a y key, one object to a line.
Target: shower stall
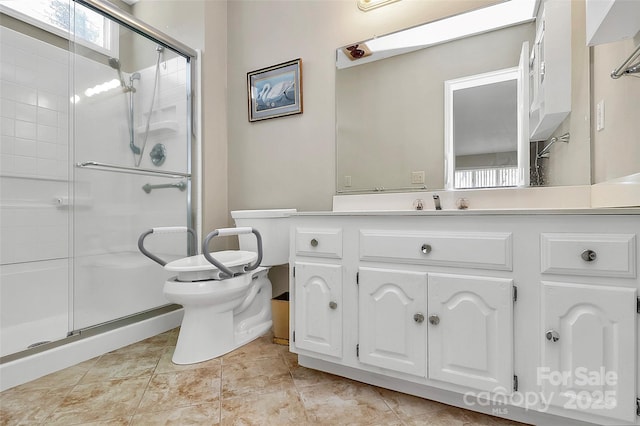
[{"x": 97, "y": 146}]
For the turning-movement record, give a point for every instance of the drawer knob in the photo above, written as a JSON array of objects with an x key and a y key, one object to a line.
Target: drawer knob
[
  {"x": 314, "y": 243},
  {"x": 552, "y": 335},
  {"x": 588, "y": 255},
  {"x": 333, "y": 305},
  {"x": 419, "y": 318},
  {"x": 434, "y": 319},
  {"x": 426, "y": 248}
]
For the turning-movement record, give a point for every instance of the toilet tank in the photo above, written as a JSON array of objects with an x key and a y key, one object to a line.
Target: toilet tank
[{"x": 273, "y": 226}]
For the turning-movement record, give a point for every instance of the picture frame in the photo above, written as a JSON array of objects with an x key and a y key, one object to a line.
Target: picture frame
[{"x": 275, "y": 91}]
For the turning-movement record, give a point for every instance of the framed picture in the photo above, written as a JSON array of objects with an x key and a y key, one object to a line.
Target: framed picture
[{"x": 275, "y": 91}]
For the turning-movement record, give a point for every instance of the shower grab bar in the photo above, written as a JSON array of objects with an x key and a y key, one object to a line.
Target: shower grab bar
[
  {"x": 136, "y": 170},
  {"x": 180, "y": 185},
  {"x": 627, "y": 67}
]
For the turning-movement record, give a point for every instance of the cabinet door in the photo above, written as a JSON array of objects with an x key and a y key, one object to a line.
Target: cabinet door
[
  {"x": 392, "y": 330},
  {"x": 588, "y": 349},
  {"x": 471, "y": 331},
  {"x": 318, "y": 308}
]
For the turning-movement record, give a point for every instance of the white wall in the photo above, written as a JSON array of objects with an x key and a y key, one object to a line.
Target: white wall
[
  {"x": 617, "y": 147},
  {"x": 290, "y": 161}
]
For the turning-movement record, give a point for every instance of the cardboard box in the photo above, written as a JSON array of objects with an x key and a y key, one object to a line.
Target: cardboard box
[{"x": 280, "y": 314}]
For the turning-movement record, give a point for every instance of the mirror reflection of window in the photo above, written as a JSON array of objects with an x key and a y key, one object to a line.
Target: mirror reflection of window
[{"x": 485, "y": 136}]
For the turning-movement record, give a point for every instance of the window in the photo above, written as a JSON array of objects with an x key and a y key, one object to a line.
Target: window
[{"x": 66, "y": 19}]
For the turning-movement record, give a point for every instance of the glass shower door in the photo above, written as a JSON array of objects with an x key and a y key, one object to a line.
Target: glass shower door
[{"x": 131, "y": 173}]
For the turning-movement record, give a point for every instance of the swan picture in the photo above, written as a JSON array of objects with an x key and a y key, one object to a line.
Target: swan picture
[
  {"x": 275, "y": 91},
  {"x": 276, "y": 95}
]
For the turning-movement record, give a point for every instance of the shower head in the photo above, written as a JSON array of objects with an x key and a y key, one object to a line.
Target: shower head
[
  {"x": 115, "y": 64},
  {"x": 545, "y": 151}
]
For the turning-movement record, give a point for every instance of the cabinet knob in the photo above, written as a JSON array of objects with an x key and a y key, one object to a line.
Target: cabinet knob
[
  {"x": 588, "y": 255},
  {"x": 333, "y": 305},
  {"x": 314, "y": 243},
  {"x": 426, "y": 248},
  {"x": 434, "y": 319},
  {"x": 419, "y": 318},
  {"x": 552, "y": 335}
]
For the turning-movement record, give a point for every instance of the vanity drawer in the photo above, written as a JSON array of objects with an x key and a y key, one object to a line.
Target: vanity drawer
[
  {"x": 319, "y": 242},
  {"x": 605, "y": 255},
  {"x": 483, "y": 250}
]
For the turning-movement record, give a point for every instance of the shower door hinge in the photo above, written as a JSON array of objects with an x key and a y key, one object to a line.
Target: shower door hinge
[
  {"x": 515, "y": 293},
  {"x": 358, "y": 350},
  {"x": 515, "y": 383},
  {"x": 638, "y": 407}
]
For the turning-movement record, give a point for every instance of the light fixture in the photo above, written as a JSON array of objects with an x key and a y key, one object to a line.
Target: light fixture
[{"x": 366, "y": 5}]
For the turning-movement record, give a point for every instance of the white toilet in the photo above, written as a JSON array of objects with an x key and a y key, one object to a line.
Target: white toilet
[{"x": 221, "y": 313}]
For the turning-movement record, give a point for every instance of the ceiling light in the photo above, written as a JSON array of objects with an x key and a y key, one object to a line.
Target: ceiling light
[{"x": 366, "y": 5}]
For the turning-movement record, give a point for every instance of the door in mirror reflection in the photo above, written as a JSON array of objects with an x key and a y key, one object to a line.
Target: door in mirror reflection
[{"x": 486, "y": 129}]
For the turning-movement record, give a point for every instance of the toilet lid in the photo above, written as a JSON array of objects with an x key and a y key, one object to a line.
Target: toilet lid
[{"x": 197, "y": 268}]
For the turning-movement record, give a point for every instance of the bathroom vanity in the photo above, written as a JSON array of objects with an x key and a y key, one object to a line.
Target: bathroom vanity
[{"x": 523, "y": 314}]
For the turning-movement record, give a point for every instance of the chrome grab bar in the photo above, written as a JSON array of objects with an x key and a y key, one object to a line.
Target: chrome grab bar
[
  {"x": 182, "y": 185},
  {"x": 136, "y": 170}
]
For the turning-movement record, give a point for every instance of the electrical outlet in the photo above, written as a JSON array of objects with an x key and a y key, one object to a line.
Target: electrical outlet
[
  {"x": 417, "y": 177},
  {"x": 600, "y": 116},
  {"x": 347, "y": 181}
]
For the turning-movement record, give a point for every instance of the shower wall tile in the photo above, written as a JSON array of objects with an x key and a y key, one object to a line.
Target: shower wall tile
[
  {"x": 35, "y": 107},
  {"x": 34, "y": 157}
]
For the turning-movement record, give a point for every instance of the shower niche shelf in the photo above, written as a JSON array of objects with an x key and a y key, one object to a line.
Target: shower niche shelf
[{"x": 159, "y": 127}]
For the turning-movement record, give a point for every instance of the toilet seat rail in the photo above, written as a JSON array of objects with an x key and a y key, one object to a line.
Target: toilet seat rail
[
  {"x": 165, "y": 230},
  {"x": 223, "y": 232}
]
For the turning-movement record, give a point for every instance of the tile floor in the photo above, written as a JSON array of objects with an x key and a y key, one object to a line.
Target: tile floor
[{"x": 258, "y": 384}]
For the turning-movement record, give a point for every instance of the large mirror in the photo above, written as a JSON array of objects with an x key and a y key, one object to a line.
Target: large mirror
[{"x": 390, "y": 106}]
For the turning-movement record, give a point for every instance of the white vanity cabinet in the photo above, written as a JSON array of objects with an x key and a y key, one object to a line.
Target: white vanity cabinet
[
  {"x": 524, "y": 315},
  {"x": 318, "y": 308},
  {"x": 590, "y": 332},
  {"x": 317, "y": 296},
  {"x": 589, "y": 324},
  {"x": 471, "y": 331},
  {"x": 392, "y": 329}
]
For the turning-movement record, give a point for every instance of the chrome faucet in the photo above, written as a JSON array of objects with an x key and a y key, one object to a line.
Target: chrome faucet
[{"x": 436, "y": 201}]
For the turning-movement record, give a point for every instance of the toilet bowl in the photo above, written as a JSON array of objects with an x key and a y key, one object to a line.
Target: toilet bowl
[{"x": 226, "y": 296}]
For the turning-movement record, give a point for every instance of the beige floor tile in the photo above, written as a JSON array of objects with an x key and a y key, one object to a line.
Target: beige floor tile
[
  {"x": 290, "y": 359},
  {"x": 29, "y": 406},
  {"x": 202, "y": 414},
  {"x": 181, "y": 389},
  {"x": 262, "y": 347},
  {"x": 255, "y": 376},
  {"x": 303, "y": 376},
  {"x": 101, "y": 401},
  {"x": 345, "y": 402},
  {"x": 165, "y": 365},
  {"x": 407, "y": 406},
  {"x": 276, "y": 408},
  {"x": 131, "y": 361}
]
